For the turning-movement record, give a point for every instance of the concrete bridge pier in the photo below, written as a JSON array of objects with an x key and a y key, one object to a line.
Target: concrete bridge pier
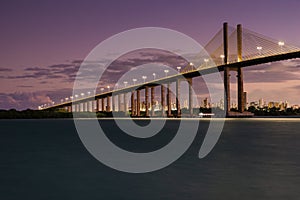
[
  {"x": 146, "y": 100},
  {"x": 241, "y": 100},
  {"x": 97, "y": 105},
  {"x": 81, "y": 107},
  {"x": 240, "y": 89},
  {"x": 190, "y": 83},
  {"x": 132, "y": 104},
  {"x": 85, "y": 106},
  {"x": 125, "y": 103},
  {"x": 241, "y": 103},
  {"x": 102, "y": 105},
  {"x": 227, "y": 90},
  {"x": 138, "y": 103},
  {"x": 108, "y": 104},
  {"x": 119, "y": 102},
  {"x": 152, "y": 100},
  {"x": 169, "y": 100},
  {"x": 162, "y": 98},
  {"x": 178, "y": 98},
  {"x": 91, "y": 106},
  {"x": 77, "y": 108},
  {"x": 113, "y": 103}
]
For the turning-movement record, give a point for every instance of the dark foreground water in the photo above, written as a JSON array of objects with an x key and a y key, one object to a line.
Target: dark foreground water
[{"x": 254, "y": 159}]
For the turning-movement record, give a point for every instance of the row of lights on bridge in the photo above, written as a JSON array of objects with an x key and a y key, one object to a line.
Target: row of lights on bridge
[
  {"x": 166, "y": 71},
  {"x": 280, "y": 44},
  {"x": 259, "y": 48}
]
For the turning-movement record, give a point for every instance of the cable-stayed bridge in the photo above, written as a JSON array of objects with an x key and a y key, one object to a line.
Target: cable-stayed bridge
[{"x": 231, "y": 49}]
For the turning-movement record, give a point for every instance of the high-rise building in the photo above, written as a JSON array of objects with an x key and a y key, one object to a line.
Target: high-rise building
[
  {"x": 245, "y": 100},
  {"x": 185, "y": 103},
  {"x": 261, "y": 102},
  {"x": 221, "y": 104},
  {"x": 205, "y": 103},
  {"x": 286, "y": 104}
]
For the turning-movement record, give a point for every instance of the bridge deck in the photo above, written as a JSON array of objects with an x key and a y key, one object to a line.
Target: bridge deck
[{"x": 189, "y": 74}]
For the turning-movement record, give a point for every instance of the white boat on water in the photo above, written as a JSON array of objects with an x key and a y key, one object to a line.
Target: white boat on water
[{"x": 201, "y": 115}]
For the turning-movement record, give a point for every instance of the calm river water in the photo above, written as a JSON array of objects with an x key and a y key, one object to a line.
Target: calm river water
[{"x": 253, "y": 159}]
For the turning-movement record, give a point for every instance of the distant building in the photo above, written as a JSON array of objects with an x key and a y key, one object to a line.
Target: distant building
[
  {"x": 295, "y": 107},
  {"x": 245, "y": 100},
  {"x": 234, "y": 105},
  {"x": 254, "y": 104},
  {"x": 185, "y": 103},
  {"x": 261, "y": 103},
  {"x": 221, "y": 106},
  {"x": 287, "y": 104},
  {"x": 205, "y": 103}
]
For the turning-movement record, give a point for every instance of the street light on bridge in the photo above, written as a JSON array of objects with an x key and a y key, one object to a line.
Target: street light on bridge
[
  {"x": 259, "y": 48},
  {"x": 134, "y": 80},
  {"x": 222, "y": 57},
  {"x": 144, "y": 78},
  {"x": 166, "y": 72},
  {"x": 125, "y": 83},
  {"x": 102, "y": 89},
  {"x": 206, "y": 61},
  {"x": 154, "y": 76},
  {"x": 178, "y": 69},
  {"x": 281, "y": 44},
  {"x": 108, "y": 88},
  {"x": 191, "y": 65}
]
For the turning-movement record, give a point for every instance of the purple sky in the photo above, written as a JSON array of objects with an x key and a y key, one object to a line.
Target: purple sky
[{"x": 41, "y": 42}]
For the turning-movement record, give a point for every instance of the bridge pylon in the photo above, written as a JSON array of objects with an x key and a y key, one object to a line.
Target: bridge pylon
[{"x": 239, "y": 70}]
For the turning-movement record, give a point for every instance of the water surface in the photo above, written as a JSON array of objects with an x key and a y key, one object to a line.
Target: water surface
[{"x": 254, "y": 159}]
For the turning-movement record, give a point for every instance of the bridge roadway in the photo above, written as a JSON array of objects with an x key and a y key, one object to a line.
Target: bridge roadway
[{"x": 187, "y": 75}]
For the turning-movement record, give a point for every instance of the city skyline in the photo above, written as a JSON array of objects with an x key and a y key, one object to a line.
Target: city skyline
[{"x": 41, "y": 53}]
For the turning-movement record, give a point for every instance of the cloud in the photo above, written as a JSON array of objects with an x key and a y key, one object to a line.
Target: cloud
[
  {"x": 25, "y": 86},
  {"x": 276, "y": 72},
  {"x": 61, "y": 66},
  {"x": 35, "y": 69},
  {"x": 57, "y": 73},
  {"x": 296, "y": 87},
  {"x": 5, "y": 70},
  {"x": 21, "y": 76},
  {"x": 66, "y": 72},
  {"x": 25, "y": 100},
  {"x": 21, "y": 101}
]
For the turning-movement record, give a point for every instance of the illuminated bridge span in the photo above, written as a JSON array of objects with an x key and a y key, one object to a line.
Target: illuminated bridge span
[{"x": 231, "y": 49}]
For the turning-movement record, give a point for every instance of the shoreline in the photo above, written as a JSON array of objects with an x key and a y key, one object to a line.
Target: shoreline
[{"x": 161, "y": 118}]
